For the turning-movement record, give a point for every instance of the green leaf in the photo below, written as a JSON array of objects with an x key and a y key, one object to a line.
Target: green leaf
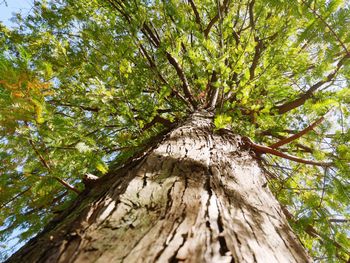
[
  {"x": 102, "y": 167},
  {"x": 82, "y": 147},
  {"x": 222, "y": 121},
  {"x": 125, "y": 67}
]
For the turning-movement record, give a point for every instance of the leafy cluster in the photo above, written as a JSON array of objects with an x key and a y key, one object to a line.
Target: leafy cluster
[{"x": 84, "y": 82}]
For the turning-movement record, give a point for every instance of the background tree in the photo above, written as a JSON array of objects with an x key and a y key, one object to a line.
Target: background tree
[{"x": 87, "y": 84}]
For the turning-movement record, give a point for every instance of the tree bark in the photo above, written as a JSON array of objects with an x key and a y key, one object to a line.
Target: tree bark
[{"x": 196, "y": 196}]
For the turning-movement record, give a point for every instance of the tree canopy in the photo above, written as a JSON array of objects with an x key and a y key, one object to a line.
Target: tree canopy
[{"x": 86, "y": 84}]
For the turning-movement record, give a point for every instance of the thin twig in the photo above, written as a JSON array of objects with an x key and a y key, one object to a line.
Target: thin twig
[
  {"x": 66, "y": 185},
  {"x": 329, "y": 27},
  {"x": 323, "y": 187},
  {"x": 47, "y": 166},
  {"x": 310, "y": 230},
  {"x": 338, "y": 220},
  {"x": 16, "y": 196},
  {"x": 58, "y": 103}
]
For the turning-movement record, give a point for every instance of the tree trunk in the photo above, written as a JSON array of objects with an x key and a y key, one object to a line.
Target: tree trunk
[{"x": 197, "y": 196}]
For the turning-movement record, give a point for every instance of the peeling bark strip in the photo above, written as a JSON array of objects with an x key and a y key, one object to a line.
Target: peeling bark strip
[{"x": 196, "y": 197}]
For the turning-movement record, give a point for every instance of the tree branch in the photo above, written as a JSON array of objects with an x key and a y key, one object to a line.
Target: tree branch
[
  {"x": 329, "y": 27},
  {"x": 154, "y": 66},
  {"x": 66, "y": 185},
  {"x": 222, "y": 8},
  {"x": 146, "y": 30},
  {"x": 158, "y": 119},
  {"x": 280, "y": 137},
  {"x": 311, "y": 231},
  {"x": 297, "y": 135},
  {"x": 185, "y": 86},
  {"x": 265, "y": 149},
  {"x": 212, "y": 94},
  {"x": 155, "y": 40},
  {"x": 57, "y": 103},
  {"x": 15, "y": 197},
  {"x": 120, "y": 10},
  {"x": 39, "y": 155},
  {"x": 47, "y": 166},
  {"x": 338, "y": 220},
  {"x": 251, "y": 14},
  {"x": 308, "y": 94},
  {"x": 257, "y": 54},
  {"x": 182, "y": 76},
  {"x": 196, "y": 14}
]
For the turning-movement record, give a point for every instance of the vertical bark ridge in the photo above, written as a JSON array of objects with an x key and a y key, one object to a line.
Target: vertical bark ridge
[{"x": 196, "y": 197}]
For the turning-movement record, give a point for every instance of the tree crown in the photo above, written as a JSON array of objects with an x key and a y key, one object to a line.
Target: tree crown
[{"x": 85, "y": 84}]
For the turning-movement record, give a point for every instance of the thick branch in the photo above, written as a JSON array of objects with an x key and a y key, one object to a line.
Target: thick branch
[
  {"x": 222, "y": 8},
  {"x": 280, "y": 137},
  {"x": 196, "y": 14},
  {"x": 182, "y": 76},
  {"x": 65, "y": 184},
  {"x": 265, "y": 149},
  {"x": 213, "y": 93},
  {"x": 146, "y": 30},
  {"x": 297, "y": 135},
  {"x": 251, "y": 14},
  {"x": 309, "y": 93},
  {"x": 155, "y": 68},
  {"x": 257, "y": 55},
  {"x": 158, "y": 119}
]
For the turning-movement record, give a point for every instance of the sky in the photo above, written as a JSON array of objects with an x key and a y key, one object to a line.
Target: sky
[{"x": 13, "y": 6}]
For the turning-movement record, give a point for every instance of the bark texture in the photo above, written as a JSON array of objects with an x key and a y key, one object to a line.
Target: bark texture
[{"x": 198, "y": 196}]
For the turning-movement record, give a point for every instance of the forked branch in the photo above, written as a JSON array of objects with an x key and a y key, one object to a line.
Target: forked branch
[
  {"x": 212, "y": 22},
  {"x": 183, "y": 78},
  {"x": 154, "y": 67},
  {"x": 261, "y": 149},
  {"x": 329, "y": 27},
  {"x": 47, "y": 166},
  {"x": 147, "y": 31},
  {"x": 309, "y": 93},
  {"x": 297, "y": 135},
  {"x": 155, "y": 40}
]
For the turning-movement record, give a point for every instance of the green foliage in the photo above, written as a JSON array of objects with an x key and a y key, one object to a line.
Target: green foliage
[
  {"x": 82, "y": 82},
  {"x": 222, "y": 121}
]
